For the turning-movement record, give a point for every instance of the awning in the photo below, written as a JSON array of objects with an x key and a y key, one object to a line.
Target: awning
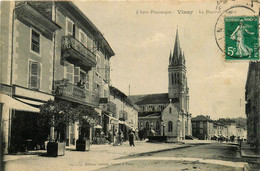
[
  {"x": 98, "y": 127},
  {"x": 126, "y": 124},
  {"x": 17, "y": 105},
  {"x": 99, "y": 111},
  {"x": 30, "y": 102}
]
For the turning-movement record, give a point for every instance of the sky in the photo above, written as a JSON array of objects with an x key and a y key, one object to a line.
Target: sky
[{"x": 142, "y": 34}]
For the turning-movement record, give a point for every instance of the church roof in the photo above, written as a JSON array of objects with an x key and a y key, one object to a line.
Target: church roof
[
  {"x": 161, "y": 98},
  {"x": 149, "y": 114}
]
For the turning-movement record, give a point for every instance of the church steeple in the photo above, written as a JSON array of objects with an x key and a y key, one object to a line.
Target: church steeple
[
  {"x": 176, "y": 57},
  {"x": 177, "y": 86}
]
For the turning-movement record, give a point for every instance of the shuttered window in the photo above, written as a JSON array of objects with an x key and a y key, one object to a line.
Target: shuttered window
[
  {"x": 76, "y": 75},
  {"x": 87, "y": 80},
  {"x": 69, "y": 72},
  {"x": 35, "y": 42},
  {"x": 70, "y": 28},
  {"x": 34, "y": 75}
]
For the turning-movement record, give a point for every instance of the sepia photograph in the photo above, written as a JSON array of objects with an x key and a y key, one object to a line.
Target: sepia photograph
[{"x": 129, "y": 85}]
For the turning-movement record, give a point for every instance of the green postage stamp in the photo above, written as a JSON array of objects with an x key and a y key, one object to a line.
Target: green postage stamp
[{"x": 241, "y": 38}]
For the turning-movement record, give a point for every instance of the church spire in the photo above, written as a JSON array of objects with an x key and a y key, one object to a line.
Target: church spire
[
  {"x": 170, "y": 58},
  {"x": 177, "y": 48}
]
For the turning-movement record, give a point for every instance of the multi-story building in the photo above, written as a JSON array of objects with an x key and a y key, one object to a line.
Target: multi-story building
[
  {"x": 168, "y": 113},
  {"x": 252, "y": 97},
  {"x": 120, "y": 113},
  {"x": 220, "y": 129},
  {"x": 53, "y": 51},
  {"x": 202, "y": 127}
]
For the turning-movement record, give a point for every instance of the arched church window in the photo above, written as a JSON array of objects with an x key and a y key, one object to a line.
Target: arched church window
[
  {"x": 170, "y": 110},
  {"x": 147, "y": 125},
  {"x": 175, "y": 78},
  {"x": 178, "y": 78},
  {"x": 172, "y": 79},
  {"x": 170, "y": 126},
  {"x": 157, "y": 125}
]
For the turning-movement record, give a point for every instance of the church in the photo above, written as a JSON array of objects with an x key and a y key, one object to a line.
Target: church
[{"x": 167, "y": 114}]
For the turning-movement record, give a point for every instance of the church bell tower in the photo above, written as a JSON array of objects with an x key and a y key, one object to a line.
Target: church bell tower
[{"x": 178, "y": 91}]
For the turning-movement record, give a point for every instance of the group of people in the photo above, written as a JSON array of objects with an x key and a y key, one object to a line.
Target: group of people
[{"x": 117, "y": 137}]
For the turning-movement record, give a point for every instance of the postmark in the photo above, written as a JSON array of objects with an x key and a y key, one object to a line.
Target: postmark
[
  {"x": 241, "y": 38},
  {"x": 226, "y": 25}
]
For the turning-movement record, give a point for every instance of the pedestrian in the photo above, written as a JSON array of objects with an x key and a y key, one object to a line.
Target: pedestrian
[
  {"x": 131, "y": 138},
  {"x": 119, "y": 137},
  {"x": 109, "y": 137}
]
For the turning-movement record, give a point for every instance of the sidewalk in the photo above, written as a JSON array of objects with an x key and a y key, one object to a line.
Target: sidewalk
[{"x": 99, "y": 156}]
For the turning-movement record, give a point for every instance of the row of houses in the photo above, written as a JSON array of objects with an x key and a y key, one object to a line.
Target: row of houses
[
  {"x": 52, "y": 51},
  {"x": 205, "y": 128}
]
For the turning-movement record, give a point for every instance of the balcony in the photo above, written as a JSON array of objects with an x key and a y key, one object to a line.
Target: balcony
[
  {"x": 71, "y": 92},
  {"x": 75, "y": 52},
  {"x": 123, "y": 115}
]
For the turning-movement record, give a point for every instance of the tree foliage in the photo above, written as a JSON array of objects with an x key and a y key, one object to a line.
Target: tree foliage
[{"x": 60, "y": 112}]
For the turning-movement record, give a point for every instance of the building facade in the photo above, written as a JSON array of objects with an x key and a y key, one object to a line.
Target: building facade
[
  {"x": 252, "y": 97},
  {"x": 121, "y": 113},
  {"x": 53, "y": 51},
  {"x": 202, "y": 127},
  {"x": 168, "y": 113}
]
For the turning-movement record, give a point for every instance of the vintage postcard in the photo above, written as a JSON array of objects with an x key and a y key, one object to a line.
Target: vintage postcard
[{"x": 130, "y": 85}]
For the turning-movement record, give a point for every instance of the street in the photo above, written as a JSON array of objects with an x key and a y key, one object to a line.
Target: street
[
  {"x": 144, "y": 156},
  {"x": 199, "y": 157}
]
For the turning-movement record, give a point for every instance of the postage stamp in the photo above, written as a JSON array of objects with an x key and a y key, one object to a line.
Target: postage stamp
[{"x": 241, "y": 38}]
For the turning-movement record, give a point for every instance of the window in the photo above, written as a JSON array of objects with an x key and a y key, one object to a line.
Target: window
[
  {"x": 201, "y": 124},
  {"x": 70, "y": 28},
  {"x": 69, "y": 72},
  {"x": 170, "y": 126},
  {"x": 170, "y": 110},
  {"x": 152, "y": 124},
  {"x": 147, "y": 125},
  {"x": 35, "y": 42},
  {"x": 34, "y": 75},
  {"x": 76, "y": 75},
  {"x": 172, "y": 79},
  {"x": 83, "y": 38},
  {"x": 201, "y": 131},
  {"x": 157, "y": 125}
]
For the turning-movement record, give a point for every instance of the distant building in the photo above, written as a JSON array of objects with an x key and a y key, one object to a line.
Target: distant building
[
  {"x": 119, "y": 113},
  {"x": 252, "y": 97},
  {"x": 168, "y": 113},
  {"x": 202, "y": 127},
  {"x": 220, "y": 129}
]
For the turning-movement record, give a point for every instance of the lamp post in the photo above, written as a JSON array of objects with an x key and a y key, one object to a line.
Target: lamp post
[{"x": 163, "y": 125}]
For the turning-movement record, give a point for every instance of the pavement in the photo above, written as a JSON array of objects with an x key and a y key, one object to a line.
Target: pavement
[{"x": 99, "y": 156}]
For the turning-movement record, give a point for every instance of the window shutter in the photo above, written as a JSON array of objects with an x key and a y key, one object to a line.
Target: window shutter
[
  {"x": 34, "y": 77},
  {"x": 69, "y": 72},
  {"x": 76, "y": 74}
]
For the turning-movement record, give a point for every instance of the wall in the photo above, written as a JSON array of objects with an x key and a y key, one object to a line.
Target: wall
[
  {"x": 23, "y": 54},
  {"x": 173, "y": 116}
]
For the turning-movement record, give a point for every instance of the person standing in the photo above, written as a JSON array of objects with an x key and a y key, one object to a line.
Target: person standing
[{"x": 131, "y": 138}]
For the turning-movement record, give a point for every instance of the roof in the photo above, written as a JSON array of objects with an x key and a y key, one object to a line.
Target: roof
[
  {"x": 149, "y": 114},
  {"x": 161, "y": 98},
  {"x": 201, "y": 118}
]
